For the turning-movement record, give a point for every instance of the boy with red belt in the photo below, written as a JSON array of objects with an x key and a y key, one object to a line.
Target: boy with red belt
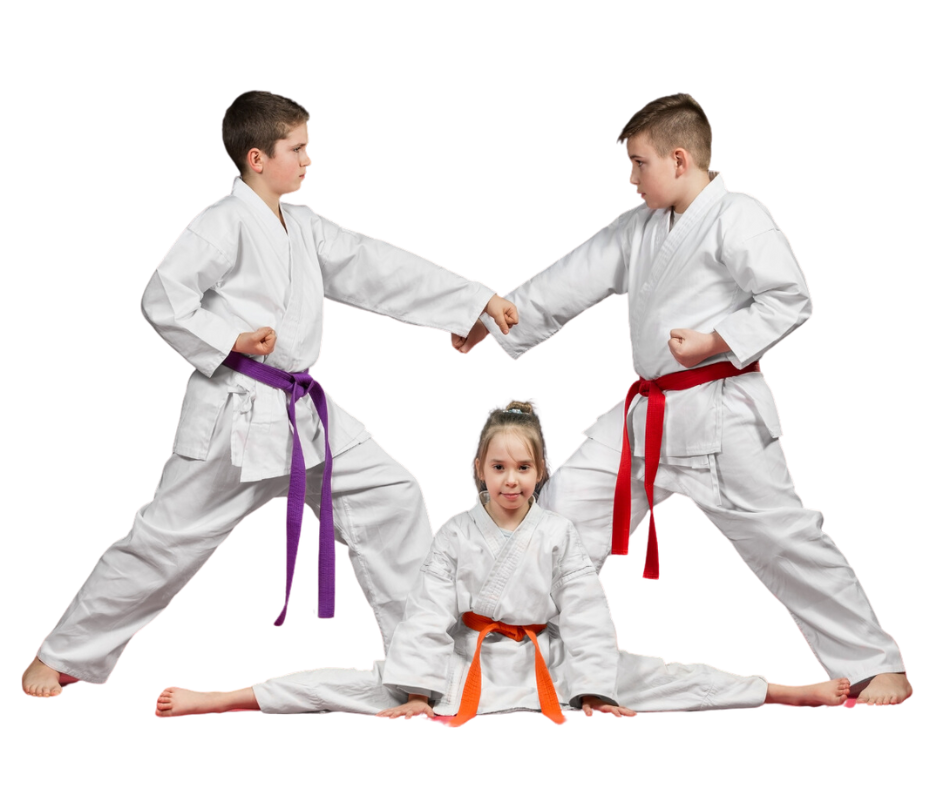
[{"x": 712, "y": 286}]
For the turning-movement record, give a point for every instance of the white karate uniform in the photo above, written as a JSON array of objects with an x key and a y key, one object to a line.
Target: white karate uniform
[
  {"x": 725, "y": 267},
  {"x": 235, "y": 269},
  {"x": 540, "y": 574}
]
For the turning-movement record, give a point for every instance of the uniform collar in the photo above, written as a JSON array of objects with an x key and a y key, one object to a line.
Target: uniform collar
[{"x": 271, "y": 224}]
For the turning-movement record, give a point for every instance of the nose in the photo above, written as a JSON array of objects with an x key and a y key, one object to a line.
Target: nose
[{"x": 634, "y": 179}]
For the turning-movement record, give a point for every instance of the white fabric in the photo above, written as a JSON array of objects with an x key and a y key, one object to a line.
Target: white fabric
[
  {"x": 540, "y": 575},
  {"x": 236, "y": 269},
  {"x": 725, "y": 267},
  {"x": 378, "y": 513}
]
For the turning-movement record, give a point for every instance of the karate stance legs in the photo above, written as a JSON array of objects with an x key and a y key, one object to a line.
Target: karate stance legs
[
  {"x": 378, "y": 513},
  {"x": 756, "y": 507}
]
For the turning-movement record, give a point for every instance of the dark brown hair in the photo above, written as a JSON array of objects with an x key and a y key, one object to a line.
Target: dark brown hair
[
  {"x": 674, "y": 122},
  {"x": 258, "y": 119}
]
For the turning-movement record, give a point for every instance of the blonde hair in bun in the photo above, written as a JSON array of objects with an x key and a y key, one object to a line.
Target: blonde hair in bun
[{"x": 519, "y": 418}]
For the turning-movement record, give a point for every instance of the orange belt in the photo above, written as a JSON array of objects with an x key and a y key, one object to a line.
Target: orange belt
[
  {"x": 470, "y": 701},
  {"x": 655, "y": 414}
]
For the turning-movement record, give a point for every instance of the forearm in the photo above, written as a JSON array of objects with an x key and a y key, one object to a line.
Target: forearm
[
  {"x": 374, "y": 275},
  {"x": 576, "y": 282}
]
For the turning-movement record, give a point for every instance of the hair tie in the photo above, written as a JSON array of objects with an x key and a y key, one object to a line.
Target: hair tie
[{"x": 514, "y": 410}]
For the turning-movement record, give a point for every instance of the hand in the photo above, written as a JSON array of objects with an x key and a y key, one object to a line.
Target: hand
[
  {"x": 477, "y": 334},
  {"x": 690, "y": 347},
  {"x": 416, "y": 706},
  {"x": 503, "y": 312},
  {"x": 590, "y": 704},
  {"x": 256, "y": 343}
]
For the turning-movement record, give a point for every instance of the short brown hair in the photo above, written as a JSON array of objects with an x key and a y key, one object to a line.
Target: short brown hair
[
  {"x": 674, "y": 122},
  {"x": 258, "y": 119},
  {"x": 519, "y": 418}
]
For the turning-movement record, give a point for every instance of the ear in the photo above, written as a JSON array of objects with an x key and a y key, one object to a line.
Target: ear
[
  {"x": 256, "y": 160},
  {"x": 476, "y": 465},
  {"x": 682, "y": 160}
]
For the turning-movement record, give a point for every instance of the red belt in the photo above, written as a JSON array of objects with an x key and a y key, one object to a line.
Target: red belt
[
  {"x": 655, "y": 412},
  {"x": 470, "y": 700}
]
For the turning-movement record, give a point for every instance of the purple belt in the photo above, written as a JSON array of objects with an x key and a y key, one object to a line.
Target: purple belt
[{"x": 297, "y": 385}]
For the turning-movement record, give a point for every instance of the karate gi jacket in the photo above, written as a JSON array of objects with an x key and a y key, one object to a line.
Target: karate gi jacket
[
  {"x": 725, "y": 266},
  {"x": 235, "y": 269},
  {"x": 538, "y": 575}
]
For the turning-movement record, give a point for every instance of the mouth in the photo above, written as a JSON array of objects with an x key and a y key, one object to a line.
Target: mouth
[{"x": 511, "y": 496}]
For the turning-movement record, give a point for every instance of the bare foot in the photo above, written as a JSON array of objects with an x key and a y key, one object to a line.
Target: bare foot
[
  {"x": 827, "y": 693},
  {"x": 885, "y": 689},
  {"x": 176, "y": 702},
  {"x": 41, "y": 681}
]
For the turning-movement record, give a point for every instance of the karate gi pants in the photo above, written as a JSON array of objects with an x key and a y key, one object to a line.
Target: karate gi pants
[
  {"x": 643, "y": 684},
  {"x": 747, "y": 493},
  {"x": 378, "y": 513}
]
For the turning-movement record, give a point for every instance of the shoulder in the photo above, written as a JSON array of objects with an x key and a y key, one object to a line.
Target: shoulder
[
  {"x": 632, "y": 218},
  {"x": 554, "y": 522},
  {"x": 442, "y": 558},
  {"x": 570, "y": 559},
  {"x": 559, "y": 530},
  {"x": 300, "y": 213},
  {"x": 456, "y": 528},
  {"x": 742, "y": 216},
  {"x": 219, "y": 224}
]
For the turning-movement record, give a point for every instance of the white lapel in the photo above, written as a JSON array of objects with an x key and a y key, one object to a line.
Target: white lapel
[
  {"x": 508, "y": 553},
  {"x": 265, "y": 219}
]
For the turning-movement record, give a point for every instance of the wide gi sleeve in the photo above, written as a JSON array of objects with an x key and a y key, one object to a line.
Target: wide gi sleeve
[
  {"x": 591, "y": 653},
  {"x": 421, "y": 648},
  {"x": 579, "y": 280},
  {"x": 172, "y": 302},
  {"x": 775, "y": 297},
  {"x": 376, "y": 276}
]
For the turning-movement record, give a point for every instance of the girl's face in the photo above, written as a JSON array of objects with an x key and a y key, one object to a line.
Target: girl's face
[{"x": 510, "y": 473}]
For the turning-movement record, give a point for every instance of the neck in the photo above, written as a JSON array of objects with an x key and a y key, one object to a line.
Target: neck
[
  {"x": 508, "y": 520},
  {"x": 272, "y": 200},
  {"x": 697, "y": 181}
]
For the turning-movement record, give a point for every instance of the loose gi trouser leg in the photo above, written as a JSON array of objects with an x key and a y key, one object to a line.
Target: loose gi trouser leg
[
  {"x": 757, "y": 508},
  {"x": 195, "y": 507},
  {"x": 643, "y": 684},
  {"x": 649, "y": 684},
  {"x": 328, "y": 689}
]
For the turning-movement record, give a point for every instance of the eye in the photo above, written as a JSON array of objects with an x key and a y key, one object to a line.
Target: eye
[
  {"x": 497, "y": 466},
  {"x": 524, "y": 467}
]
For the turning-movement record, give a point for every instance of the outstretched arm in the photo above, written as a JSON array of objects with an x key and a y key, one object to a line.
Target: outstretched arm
[
  {"x": 373, "y": 275},
  {"x": 582, "y": 278}
]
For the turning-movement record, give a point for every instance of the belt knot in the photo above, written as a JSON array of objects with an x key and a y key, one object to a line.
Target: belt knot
[
  {"x": 470, "y": 700},
  {"x": 655, "y": 417}
]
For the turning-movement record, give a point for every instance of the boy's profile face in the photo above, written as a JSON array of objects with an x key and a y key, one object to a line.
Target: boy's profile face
[
  {"x": 654, "y": 176},
  {"x": 284, "y": 172}
]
